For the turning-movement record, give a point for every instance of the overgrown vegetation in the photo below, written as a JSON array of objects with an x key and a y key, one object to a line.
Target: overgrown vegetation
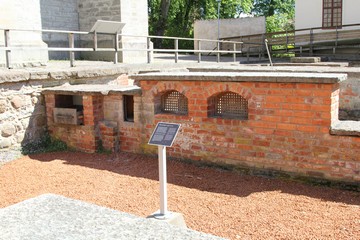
[
  {"x": 100, "y": 148},
  {"x": 45, "y": 144}
]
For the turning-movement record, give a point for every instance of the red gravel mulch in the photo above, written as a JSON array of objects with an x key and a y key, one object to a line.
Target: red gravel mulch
[{"x": 214, "y": 201}]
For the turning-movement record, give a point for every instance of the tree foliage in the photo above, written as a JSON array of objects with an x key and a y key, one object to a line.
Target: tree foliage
[
  {"x": 176, "y": 17},
  {"x": 279, "y": 14}
]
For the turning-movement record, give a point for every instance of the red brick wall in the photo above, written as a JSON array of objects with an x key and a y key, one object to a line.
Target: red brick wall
[
  {"x": 287, "y": 129},
  {"x": 83, "y": 138}
]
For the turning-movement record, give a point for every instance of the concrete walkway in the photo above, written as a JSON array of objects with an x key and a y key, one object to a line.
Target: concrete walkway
[{"x": 54, "y": 217}]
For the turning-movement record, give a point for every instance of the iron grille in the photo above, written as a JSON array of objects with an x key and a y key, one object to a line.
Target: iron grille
[
  {"x": 231, "y": 105},
  {"x": 174, "y": 102}
]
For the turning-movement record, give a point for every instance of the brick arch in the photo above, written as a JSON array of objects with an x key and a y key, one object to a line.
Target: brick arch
[
  {"x": 162, "y": 87},
  {"x": 217, "y": 88}
]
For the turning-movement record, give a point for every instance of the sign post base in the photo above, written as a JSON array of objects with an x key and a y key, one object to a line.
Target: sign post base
[{"x": 172, "y": 218}]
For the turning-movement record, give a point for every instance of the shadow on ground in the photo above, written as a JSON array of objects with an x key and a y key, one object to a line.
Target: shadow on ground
[{"x": 204, "y": 178}]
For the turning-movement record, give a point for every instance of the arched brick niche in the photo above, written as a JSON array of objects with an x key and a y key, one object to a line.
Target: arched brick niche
[
  {"x": 172, "y": 102},
  {"x": 228, "y": 105}
]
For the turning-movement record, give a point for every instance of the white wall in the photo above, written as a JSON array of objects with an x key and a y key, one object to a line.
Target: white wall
[
  {"x": 351, "y": 10},
  {"x": 135, "y": 15},
  {"x": 207, "y": 29},
  {"x": 59, "y": 15},
  {"x": 22, "y": 14},
  {"x": 308, "y": 14}
]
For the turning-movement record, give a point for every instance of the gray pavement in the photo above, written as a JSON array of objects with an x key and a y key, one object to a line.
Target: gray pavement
[
  {"x": 54, "y": 217},
  {"x": 7, "y": 155}
]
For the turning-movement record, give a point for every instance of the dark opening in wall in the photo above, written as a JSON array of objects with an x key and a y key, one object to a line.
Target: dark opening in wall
[
  {"x": 128, "y": 108},
  {"x": 69, "y": 109}
]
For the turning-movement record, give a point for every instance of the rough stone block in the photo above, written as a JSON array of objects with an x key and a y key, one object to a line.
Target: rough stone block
[
  {"x": 5, "y": 143},
  {"x": 18, "y": 102},
  {"x": 7, "y": 130},
  {"x": 3, "y": 105}
]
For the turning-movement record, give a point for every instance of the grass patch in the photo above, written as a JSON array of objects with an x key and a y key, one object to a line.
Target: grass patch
[{"x": 45, "y": 144}]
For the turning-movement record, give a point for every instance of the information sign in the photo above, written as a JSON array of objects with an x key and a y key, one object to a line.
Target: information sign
[{"x": 164, "y": 134}]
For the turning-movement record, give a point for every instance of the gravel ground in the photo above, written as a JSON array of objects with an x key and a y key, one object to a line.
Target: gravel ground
[{"x": 213, "y": 201}]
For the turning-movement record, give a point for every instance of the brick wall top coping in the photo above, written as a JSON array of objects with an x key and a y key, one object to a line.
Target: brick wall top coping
[
  {"x": 281, "y": 77},
  {"x": 93, "y": 89},
  {"x": 60, "y": 70}
]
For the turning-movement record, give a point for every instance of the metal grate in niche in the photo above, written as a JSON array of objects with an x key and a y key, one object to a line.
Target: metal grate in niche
[
  {"x": 174, "y": 102},
  {"x": 231, "y": 105}
]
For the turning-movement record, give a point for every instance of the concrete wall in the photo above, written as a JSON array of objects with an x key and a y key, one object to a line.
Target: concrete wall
[
  {"x": 134, "y": 14},
  {"x": 15, "y": 15},
  {"x": 308, "y": 13},
  {"x": 207, "y": 29},
  {"x": 59, "y": 15}
]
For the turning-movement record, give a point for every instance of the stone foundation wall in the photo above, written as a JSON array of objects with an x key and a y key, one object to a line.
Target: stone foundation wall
[{"x": 22, "y": 114}]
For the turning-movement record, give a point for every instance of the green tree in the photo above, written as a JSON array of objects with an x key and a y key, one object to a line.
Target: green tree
[{"x": 279, "y": 13}]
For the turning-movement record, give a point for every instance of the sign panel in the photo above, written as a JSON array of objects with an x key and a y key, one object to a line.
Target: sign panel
[
  {"x": 111, "y": 27},
  {"x": 164, "y": 134}
]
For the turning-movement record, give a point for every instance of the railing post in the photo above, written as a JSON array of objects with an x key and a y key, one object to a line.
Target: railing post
[
  {"x": 268, "y": 52},
  {"x": 234, "y": 53},
  {"x": 337, "y": 36},
  {"x": 95, "y": 41},
  {"x": 287, "y": 41},
  {"x": 71, "y": 46},
  {"x": 7, "y": 51},
  {"x": 176, "y": 50},
  {"x": 199, "y": 54},
  {"x": 116, "y": 59},
  {"x": 218, "y": 53},
  {"x": 311, "y": 42},
  {"x": 148, "y": 43}
]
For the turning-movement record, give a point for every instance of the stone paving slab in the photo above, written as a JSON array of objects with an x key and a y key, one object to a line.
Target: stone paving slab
[
  {"x": 9, "y": 155},
  {"x": 51, "y": 216}
]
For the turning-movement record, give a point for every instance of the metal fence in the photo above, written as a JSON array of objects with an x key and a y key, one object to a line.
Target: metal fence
[
  {"x": 302, "y": 41},
  {"x": 71, "y": 49}
]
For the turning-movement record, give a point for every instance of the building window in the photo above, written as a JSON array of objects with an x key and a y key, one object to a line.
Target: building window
[
  {"x": 174, "y": 102},
  {"x": 128, "y": 108},
  {"x": 228, "y": 105},
  {"x": 332, "y": 13}
]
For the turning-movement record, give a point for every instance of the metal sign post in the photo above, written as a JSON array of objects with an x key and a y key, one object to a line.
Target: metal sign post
[
  {"x": 163, "y": 136},
  {"x": 163, "y": 180}
]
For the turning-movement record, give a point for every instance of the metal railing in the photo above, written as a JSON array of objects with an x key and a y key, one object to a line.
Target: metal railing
[
  {"x": 301, "y": 39},
  {"x": 71, "y": 49}
]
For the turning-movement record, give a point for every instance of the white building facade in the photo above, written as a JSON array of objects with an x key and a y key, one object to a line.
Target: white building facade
[{"x": 326, "y": 14}]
